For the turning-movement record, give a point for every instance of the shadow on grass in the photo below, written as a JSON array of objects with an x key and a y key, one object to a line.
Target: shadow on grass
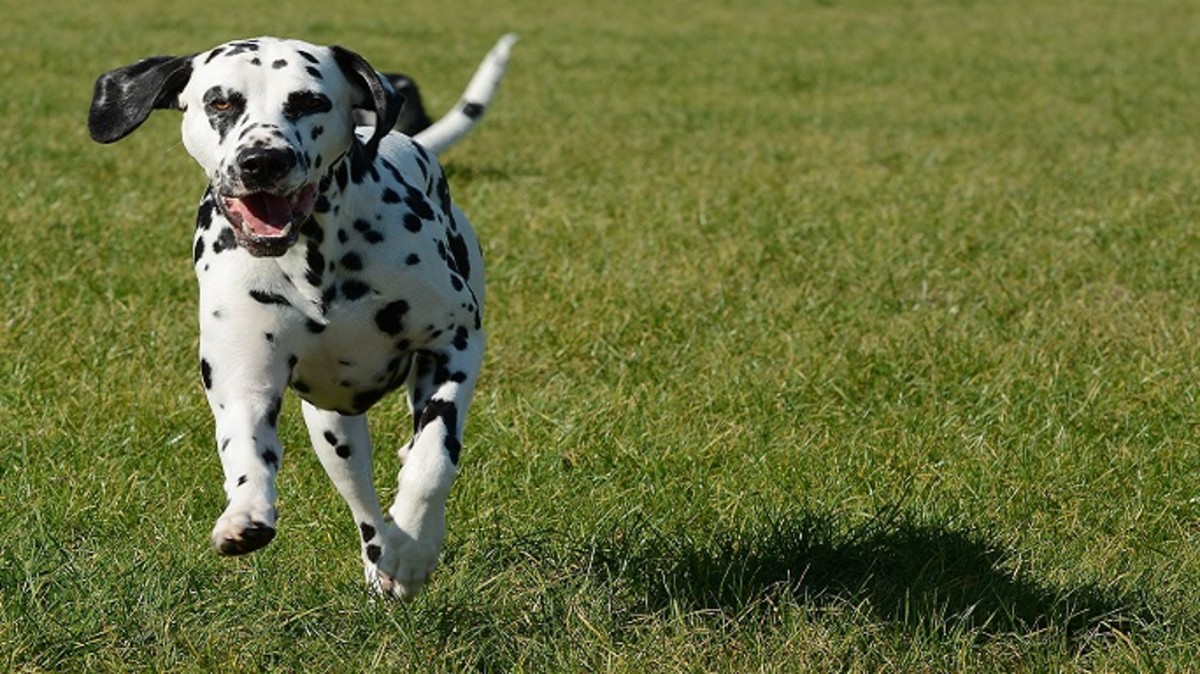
[
  {"x": 465, "y": 173},
  {"x": 918, "y": 575}
]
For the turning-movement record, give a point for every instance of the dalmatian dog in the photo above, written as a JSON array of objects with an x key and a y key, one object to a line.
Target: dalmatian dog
[{"x": 332, "y": 261}]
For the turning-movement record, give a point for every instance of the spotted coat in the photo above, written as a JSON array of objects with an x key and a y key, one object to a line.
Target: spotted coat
[{"x": 332, "y": 261}]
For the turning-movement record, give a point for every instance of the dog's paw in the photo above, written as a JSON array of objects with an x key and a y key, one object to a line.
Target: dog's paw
[
  {"x": 399, "y": 562},
  {"x": 244, "y": 529}
]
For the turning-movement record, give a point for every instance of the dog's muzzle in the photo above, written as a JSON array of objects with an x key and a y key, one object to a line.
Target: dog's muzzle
[{"x": 266, "y": 222}]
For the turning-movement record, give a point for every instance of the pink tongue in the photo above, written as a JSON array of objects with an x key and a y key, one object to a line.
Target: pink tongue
[{"x": 263, "y": 214}]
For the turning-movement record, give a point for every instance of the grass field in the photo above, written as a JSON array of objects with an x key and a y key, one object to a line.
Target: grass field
[{"x": 836, "y": 336}]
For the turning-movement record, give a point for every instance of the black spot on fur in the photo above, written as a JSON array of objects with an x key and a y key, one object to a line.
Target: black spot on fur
[
  {"x": 316, "y": 263},
  {"x": 416, "y": 201},
  {"x": 473, "y": 110},
  {"x": 273, "y": 412},
  {"x": 343, "y": 451},
  {"x": 447, "y": 411},
  {"x": 301, "y": 104},
  {"x": 312, "y": 230},
  {"x": 236, "y": 48},
  {"x": 368, "y": 532},
  {"x": 342, "y": 175},
  {"x": 328, "y": 297},
  {"x": 412, "y": 260},
  {"x": 355, "y": 289},
  {"x": 391, "y": 169},
  {"x": 373, "y": 553},
  {"x": 198, "y": 251},
  {"x": 225, "y": 241},
  {"x": 270, "y": 458},
  {"x": 390, "y": 319},
  {"x": 278, "y": 63},
  {"x": 352, "y": 261},
  {"x": 205, "y": 211},
  {"x": 206, "y": 374},
  {"x": 364, "y": 400},
  {"x": 460, "y": 338},
  {"x": 264, "y": 297},
  {"x": 443, "y": 195},
  {"x": 412, "y": 222},
  {"x": 458, "y": 252},
  {"x": 360, "y": 163}
]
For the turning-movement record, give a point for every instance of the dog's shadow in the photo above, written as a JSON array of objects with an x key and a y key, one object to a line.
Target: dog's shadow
[{"x": 927, "y": 577}]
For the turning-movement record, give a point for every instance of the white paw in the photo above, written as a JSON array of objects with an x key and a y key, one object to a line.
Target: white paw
[
  {"x": 400, "y": 559},
  {"x": 244, "y": 528}
]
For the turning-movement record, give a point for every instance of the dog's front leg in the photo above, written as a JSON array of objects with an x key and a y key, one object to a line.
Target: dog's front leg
[
  {"x": 343, "y": 444},
  {"x": 245, "y": 395}
]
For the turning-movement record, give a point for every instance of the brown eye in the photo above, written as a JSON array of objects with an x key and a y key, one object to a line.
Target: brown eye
[{"x": 220, "y": 105}]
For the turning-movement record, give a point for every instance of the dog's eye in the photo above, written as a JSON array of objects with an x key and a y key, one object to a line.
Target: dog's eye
[{"x": 218, "y": 100}]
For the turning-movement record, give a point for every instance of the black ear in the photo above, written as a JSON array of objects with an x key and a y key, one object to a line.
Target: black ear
[
  {"x": 125, "y": 97},
  {"x": 379, "y": 98},
  {"x": 413, "y": 118}
]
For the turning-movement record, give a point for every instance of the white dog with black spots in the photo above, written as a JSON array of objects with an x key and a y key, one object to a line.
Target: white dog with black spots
[{"x": 331, "y": 260}]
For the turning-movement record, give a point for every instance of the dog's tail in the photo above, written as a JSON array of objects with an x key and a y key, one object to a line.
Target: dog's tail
[{"x": 442, "y": 134}]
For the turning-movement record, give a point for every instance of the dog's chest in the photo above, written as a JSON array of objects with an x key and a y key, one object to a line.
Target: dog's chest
[
  {"x": 349, "y": 364},
  {"x": 375, "y": 305},
  {"x": 345, "y": 309}
]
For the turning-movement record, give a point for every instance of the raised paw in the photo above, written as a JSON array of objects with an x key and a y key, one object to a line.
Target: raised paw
[{"x": 243, "y": 530}]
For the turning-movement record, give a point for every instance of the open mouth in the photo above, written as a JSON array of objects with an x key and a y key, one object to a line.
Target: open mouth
[{"x": 268, "y": 224}]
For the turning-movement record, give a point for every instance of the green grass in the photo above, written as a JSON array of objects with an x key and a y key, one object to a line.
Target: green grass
[{"x": 825, "y": 336}]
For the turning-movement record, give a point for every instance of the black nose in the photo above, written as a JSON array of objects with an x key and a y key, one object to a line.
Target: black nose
[{"x": 263, "y": 167}]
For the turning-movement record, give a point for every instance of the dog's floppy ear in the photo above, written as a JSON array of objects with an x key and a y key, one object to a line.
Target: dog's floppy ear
[
  {"x": 379, "y": 96},
  {"x": 125, "y": 97}
]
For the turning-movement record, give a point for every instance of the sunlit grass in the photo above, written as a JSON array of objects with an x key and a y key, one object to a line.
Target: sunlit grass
[{"x": 824, "y": 336}]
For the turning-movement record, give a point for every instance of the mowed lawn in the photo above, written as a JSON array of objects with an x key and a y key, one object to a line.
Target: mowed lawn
[{"x": 836, "y": 336}]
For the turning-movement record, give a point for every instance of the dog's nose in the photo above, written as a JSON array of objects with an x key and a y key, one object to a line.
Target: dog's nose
[{"x": 263, "y": 167}]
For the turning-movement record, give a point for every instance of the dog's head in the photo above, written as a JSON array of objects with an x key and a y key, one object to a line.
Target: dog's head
[{"x": 265, "y": 118}]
